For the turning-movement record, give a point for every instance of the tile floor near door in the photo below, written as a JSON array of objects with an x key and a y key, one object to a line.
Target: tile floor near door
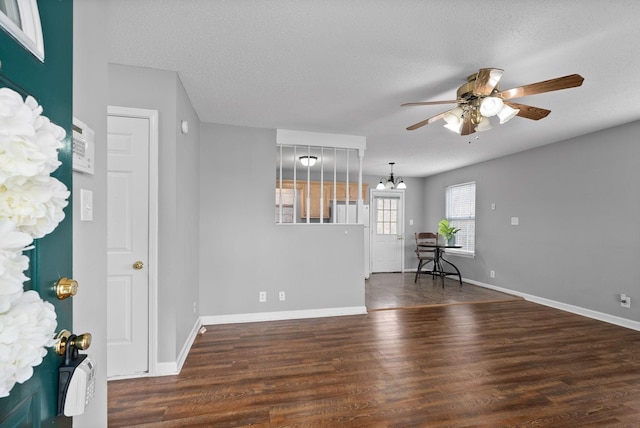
[{"x": 398, "y": 290}]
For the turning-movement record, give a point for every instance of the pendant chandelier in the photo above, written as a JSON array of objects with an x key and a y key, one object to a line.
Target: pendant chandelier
[{"x": 391, "y": 182}]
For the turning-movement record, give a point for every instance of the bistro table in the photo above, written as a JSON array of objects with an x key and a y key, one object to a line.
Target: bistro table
[{"x": 438, "y": 268}]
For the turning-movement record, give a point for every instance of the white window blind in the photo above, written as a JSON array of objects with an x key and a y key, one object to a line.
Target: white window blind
[{"x": 461, "y": 213}]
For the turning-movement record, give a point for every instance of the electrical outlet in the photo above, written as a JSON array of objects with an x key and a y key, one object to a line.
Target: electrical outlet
[
  {"x": 263, "y": 296},
  {"x": 282, "y": 296},
  {"x": 492, "y": 274},
  {"x": 625, "y": 301}
]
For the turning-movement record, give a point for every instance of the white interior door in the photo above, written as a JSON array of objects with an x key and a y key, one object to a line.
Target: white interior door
[
  {"x": 128, "y": 246},
  {"x": 387, "y": 230}
]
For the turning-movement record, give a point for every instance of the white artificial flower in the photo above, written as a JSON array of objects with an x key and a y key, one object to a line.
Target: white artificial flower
[
  {"x": 35, "y": 206},
  {"x": 16, "y": 117},
  {"x": 31, "y": 206},
  {"x": 12, "y": 262},
  {"x": 29, "y": 142},
  {"x": 25, "y": 331}
]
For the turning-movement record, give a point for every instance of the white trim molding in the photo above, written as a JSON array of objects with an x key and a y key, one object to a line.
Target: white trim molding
[
  {"x": 320, "y": 139},
  {"x": 589, "y": 313},
  {"x": 29, "y": 31},
  {"x": 174, "y": 367},
  {"x": 282, "y": 315}
]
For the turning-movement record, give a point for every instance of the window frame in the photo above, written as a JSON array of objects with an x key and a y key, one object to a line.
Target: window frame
[
  {"x": 29, "y": 32},
  {"x": 459, "y": 251}
]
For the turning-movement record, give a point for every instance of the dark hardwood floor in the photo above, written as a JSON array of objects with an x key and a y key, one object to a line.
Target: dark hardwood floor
[
  {"x": 398, "y": 290},
  {"x": 507, "y": 363}
]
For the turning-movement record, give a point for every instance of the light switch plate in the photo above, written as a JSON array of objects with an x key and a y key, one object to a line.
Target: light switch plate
[
  {"x": 86, "y": 205},
  {"x": 515, "y": 221}
]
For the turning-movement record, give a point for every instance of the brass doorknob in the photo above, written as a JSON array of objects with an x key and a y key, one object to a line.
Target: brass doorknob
[
  {"x": 81, "y": 341},
  {"x": 138, "y": 265},
  {"x": 61, "y": 341},
  {"x": 66, "y": 287}
]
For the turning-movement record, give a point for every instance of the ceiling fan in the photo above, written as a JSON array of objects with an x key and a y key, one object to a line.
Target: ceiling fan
[{"x": 480, "y": 98}]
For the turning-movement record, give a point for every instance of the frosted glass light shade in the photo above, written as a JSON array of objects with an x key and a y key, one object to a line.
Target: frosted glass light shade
[
  {"x": 484, "y": 125},
  {"x": 490, "y": 106},
  {"x": 507, "y": 113},
  {"x": 454, "y": 115},
  {"x": 308, "y": 160},
  {"x": 455, "y": 127}
]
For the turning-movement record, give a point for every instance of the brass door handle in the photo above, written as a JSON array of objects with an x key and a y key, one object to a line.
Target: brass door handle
[
  {"x": 138, "y": 265},
  {"x": 66, "y": 287},
  {"x": 65, "y": 338}
]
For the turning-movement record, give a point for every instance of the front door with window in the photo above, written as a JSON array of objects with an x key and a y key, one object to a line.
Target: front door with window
[
  {"x": 34, "y": 403},
  {"x": 387, "y": 229}
]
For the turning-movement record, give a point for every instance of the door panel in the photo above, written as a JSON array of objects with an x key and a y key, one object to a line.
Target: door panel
[
  {"x": 35, "y": 402},
  {"x": 387, "y": 231},
  {"x": 127, "y": 243}
]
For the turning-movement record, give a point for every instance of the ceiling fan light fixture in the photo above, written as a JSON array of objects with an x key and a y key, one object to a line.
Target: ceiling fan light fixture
[
  {"x": 454, "y": 115},
  {"x": 308, "y": 160},
  {"x": 507, "y": 113},
  {"x": 455, "y": 127},
  {"x": 490, "y": 106},
  {"x": 484, "y": 125}
]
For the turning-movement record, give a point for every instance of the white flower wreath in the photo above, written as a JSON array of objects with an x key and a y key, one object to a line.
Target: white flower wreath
[{"x": 31, "y": 206}]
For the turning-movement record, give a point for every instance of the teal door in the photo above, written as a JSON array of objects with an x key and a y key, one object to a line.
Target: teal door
[{"x": 34, "y": 403}]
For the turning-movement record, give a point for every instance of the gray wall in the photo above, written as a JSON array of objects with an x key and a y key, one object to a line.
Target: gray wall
[
  {"x": 90, "y": 238},
  {"x": 243, "y": 251},
  {"x": 186, "y": 246},
  {"x": 414, "y": 198},
  {"x": 178, "y": 201},
  {"x": 577, "y": 202}
]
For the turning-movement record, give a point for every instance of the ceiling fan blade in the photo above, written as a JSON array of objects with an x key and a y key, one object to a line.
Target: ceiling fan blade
[
  {"x": 486, "y": 80},
  {"x": 529, "y": 112},
  {"x": 426, "y": 122},
  {"x": 468, "y": 127},
  {"x": 430, "y": 103},
  {"x": 570, "y": 81}
]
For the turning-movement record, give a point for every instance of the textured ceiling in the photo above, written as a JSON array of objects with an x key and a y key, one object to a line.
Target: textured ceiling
[{"x": 346, "y": 66}]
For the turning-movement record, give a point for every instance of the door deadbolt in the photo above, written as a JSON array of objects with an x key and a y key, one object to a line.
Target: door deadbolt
[{"x": 66, "y": 287}]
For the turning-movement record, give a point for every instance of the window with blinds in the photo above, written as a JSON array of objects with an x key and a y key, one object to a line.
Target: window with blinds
[{"x": 461, "y": 213}]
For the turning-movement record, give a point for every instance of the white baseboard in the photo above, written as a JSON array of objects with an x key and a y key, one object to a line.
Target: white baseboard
[
  {"x": 601, "y": 316},
  {"x": 174, "y": 367},
  {"x": 283, "y": 315},
  {"x": 166, "y": 369}
]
